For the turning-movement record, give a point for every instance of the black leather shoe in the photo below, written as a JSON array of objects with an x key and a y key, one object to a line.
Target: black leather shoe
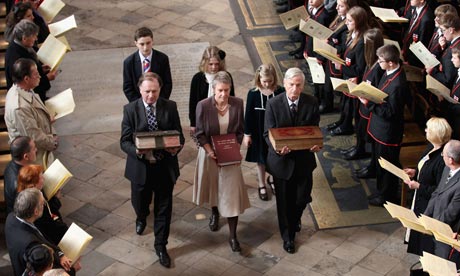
[
  {"x": 140, "y": 226},
  {"x": 296, "y": 37},
  {"x": 298, "y": 56},
  {"x": 361, "y": 170},
  {"x": 340, "y": 131},
  {"x": 332, "y": 126},
  {"x": 263, "y": 197},
  {"x": 345, "y": 151},
  {"x": 234, "y": 245},
  {"x": 164, "y": 258},
  {"x": 355, "y": 155},
  {"x": 298, "y": 226},
  {"x": 295, "y": 52},
  {"x": 366, "y": 174},
  {"x": 377, "y": 201},
  {"x": 271, "y": 183},
  {"x": 214, "y": 222},
  {"x": 289, "y": 247}
]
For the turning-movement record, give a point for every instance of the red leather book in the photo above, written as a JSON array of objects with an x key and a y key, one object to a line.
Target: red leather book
[
  {"x": 227, "y": 149},
  {"x": 296, "y": 138}
]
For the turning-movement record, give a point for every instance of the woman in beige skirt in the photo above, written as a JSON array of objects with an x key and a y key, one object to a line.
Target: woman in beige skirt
[{"x": 222, "y": 187}]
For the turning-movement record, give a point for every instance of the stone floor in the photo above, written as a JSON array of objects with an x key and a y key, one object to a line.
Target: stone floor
[{"x": 97, "y": 198}]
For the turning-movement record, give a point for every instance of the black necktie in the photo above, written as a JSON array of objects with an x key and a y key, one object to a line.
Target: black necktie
[
  {"x": 151, "y": 119},
  {"x": 293, "y": 108}
]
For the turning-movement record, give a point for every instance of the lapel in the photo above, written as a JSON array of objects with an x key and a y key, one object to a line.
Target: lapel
[
  {"x": 160, "y": 112},
  {"x": 231, "y": 114},
  {"x": 137, "y": 66},
  {"x": 287, "y": 110},
  {"x": 452, "y": 182},
  {"x": 33, "y": 100},
  {"x": 141, "y": 115}
]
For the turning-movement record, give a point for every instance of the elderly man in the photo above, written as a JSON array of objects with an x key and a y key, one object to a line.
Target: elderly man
[
  {"x": 25, "y": 34},
  {"x": 23, "y": 152},
  {"x": 151, "y": 171},
  {"x": 21, "y": 233},
  {"x": 444, "y": 204},
  {"x": 26, "y": 114},
  {"x": 291, "y": 170}
]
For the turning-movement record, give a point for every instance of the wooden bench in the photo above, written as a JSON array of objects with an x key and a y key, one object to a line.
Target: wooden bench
[
  {"x": 2, "y": 61},
  {"x": 2, "y": 79}
]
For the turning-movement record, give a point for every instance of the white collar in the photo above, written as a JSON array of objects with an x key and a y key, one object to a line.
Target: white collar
[
  {"x": 389, "y": 72},
  {"x": 143, "y": 58}
]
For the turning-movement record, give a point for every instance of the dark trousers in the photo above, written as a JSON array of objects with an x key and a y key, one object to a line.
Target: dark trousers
[
  {"x": 292, "y": 196},
  {"x": 387, "y": 183},
  {"x": 159, "y": 187},
  {"x": 347, "y": 113}
]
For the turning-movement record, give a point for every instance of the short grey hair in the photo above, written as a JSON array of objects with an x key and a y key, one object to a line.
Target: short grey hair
[
  {"x": 25, "y": 28},
  {"x": 221, "y": 77},
  {"x": 453, "y": 150},
  {"x": 26, "y": 202},
  {"x": 294, "y": 72}
]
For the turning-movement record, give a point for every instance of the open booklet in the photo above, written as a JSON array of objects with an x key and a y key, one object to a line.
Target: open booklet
[
  {"x": 324, "y": 49},
  {"x": 291, "y": 19},
  {"x": 388, "y": 15},
  {"x": 52, "y": 52},
  {"x": 61, "y": 27},
  {"x": 437, "y": 266},
  {"x": 439, "y": 89},
  {"x": 55, "y": 177},
  {"x": 48, "y": 9},
  {"x": 74, "y": 242},
  {"x": 407, "y": 217},
  {"x": 315, "y": 29},
  {"x": 61, "y": 105},
  {"x": 393, "y": 169},
  {"x": 341, "y": 85},
  {"x": 423, "y": 54},
  {"x": 369, "y": 92},
  {"x": 317, "y": 70}
]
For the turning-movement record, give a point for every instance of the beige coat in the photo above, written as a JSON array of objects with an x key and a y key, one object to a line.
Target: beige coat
[{"x": 26, "y": 115}]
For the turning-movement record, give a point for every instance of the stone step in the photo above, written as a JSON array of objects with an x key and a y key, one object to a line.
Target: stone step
[
  {"x": 3, "y": 43},
  {"x": 2, "y": 9},
  {"x": 4, "y": 138}
]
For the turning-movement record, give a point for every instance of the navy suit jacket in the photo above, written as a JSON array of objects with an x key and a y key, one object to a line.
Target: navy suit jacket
[
  {"x": 277, "y": 114},
  {"x": 132, "y": 71},
  {"x": 135, "y": 120}
]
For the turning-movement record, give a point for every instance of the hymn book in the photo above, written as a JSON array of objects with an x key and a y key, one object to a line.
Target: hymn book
[
  {"x": 55, "y": 177},
  {"x": 393, "y": 169},
  {"x": 316, "y": 70},
  {"x": 341, "y": 85},
  {"x": 227, "y": 149},
  {"x": 159, "y": 139},
  {"x": 52, "y": 52},
  {"x": 61, "y": 27},
  {"x": 439, "y": 89},
  {"x": 442, "y": 232},
  {"x": 74, "y": 242},
  {"x": 324, "y": 49},
  {"x": 295, "y": 138},
  {"x": 315, "y": 29},
  {"x": 423, "y": 54},
  {"x": 388, "y": 15},
  {"x": 407, "y": 217},
  {"x": 48, "y": 9},
  {"x": 437, "y": 266},
  {"x": 369, "y": 92},
  {"x": 61, "y": 105},
  {"x": 292, "y": 18}
]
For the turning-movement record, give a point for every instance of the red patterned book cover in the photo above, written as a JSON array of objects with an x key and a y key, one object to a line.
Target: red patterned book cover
[
  {"x": 227, "y": 149},
  {"x": 296, "y": 138}
]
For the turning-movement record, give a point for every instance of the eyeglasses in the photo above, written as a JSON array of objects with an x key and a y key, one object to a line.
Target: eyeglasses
[{"x": 381, "y": 61}]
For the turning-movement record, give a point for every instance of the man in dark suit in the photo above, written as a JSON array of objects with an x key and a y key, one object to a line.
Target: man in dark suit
[
  {"x": 386, "y": 122},
  {"x": 151, "y": 171},
  {"x": 21, "y": 233},
  {"x": 444, "y": 204},
  {"x": 146, "y": 59},
  {"x": 291, "y": 170},
  {"x": 23, "y": 152}
]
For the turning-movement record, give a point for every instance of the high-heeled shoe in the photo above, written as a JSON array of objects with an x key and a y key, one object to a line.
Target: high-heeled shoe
[
  {"x": 271, "y": 184},
  {"x": 234, "y": 245},
  {"x": 214, "y": 222}
]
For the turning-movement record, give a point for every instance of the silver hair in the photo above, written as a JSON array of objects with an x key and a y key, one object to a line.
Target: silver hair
[
  {"x": 25, "y": 28},
  {"x": 221, "y": 77},
  {"x": 453, "y": 150},
  {"x": 26, "y": 202},
  {"x": 294, "y": 72}
]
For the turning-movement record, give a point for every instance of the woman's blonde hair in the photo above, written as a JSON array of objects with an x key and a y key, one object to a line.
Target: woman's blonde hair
[
  {"x": 439, "y": 130},
  {"x": 212, "y": 52},
  {"x": 266, "y": 71}
]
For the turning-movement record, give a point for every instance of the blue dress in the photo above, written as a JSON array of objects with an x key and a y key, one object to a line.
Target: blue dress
[{"x": 254, "y": 120}]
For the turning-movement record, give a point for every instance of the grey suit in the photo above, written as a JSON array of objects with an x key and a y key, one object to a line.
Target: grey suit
[
  {"x": 444, "y": 206},
  {"x": 292, "y": 173},
  {"x": 146, "y": 177}
]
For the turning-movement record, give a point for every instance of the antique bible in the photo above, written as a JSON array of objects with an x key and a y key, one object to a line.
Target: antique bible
[
  {"x": 61, "y": 104},
  {"x": 292, "y": 18},
  {"x": 159, "y": 139},
  {"x": 295, "y": 138},
  {"x": 55, "y": 177},
  {"x": 52, "y": 52},
  {"x": 227, "y": 149},
  {"x": 74, "y": 242},
  {"x": 48, "y": 9}
]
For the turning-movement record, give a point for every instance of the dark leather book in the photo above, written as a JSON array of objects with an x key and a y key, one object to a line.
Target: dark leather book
[
  {"x": 295, "y": 138},
  {"x": 227, "y": 149},
  {"x": 159, "y": 139}
]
